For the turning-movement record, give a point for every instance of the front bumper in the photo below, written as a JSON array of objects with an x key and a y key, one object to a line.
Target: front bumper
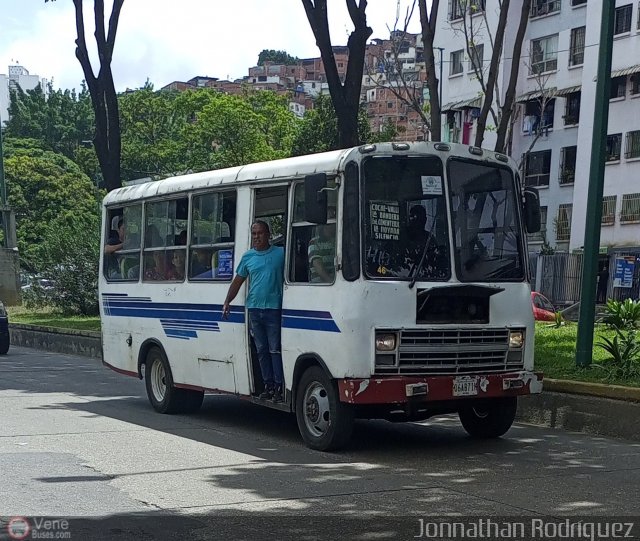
[{"x": 403, "y": 389}]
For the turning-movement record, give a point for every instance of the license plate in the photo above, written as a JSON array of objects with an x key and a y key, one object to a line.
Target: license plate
[{"x": 465, "y": 386}]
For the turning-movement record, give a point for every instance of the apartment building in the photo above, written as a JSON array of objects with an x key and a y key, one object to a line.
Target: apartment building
[
  {"x": 394, "y": 76},
  {"x": 553, "y": 121},
  {"x": 18, "y": 76}
]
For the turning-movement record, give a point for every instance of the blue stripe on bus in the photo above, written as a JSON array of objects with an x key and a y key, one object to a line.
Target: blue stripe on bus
[
  {"x": 309, "y": 324},
  {"x": 182, "y": 320},
  {"x": 179, "y": 333}
]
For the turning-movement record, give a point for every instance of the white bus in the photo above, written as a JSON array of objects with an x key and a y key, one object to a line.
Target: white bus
[{"x": 424, "y": 307}]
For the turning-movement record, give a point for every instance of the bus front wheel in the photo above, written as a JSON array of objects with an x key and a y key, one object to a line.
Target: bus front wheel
[
  {"x": 491, "y": 419},
  {"x": 324, "y": 422},
  {"x": 163, "y": 395}
]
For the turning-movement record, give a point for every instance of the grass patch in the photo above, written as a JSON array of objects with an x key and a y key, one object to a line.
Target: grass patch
[
  {"x": 555, "y": 355},
  {"x": 48, "y": 318}
]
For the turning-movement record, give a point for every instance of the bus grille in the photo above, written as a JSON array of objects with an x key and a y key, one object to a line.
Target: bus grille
[{"x": 453, "y": 351}]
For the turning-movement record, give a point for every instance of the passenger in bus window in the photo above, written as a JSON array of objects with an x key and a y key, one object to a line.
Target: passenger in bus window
[
  {"x": 322, "y": 253},
  {"x": 157, "y": 268},
  {"x": 115, "y": 242},
  {"x": 176, "y": 272},
  {"x": 264, "y": 266},
  {"x": 116, "y": 238},
  {"x": 201, "y": 264}
]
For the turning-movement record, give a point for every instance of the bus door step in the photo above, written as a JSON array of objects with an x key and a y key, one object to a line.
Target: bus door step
[{"x": 282, "y": 406}]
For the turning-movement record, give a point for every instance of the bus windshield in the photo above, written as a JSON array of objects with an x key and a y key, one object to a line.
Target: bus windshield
[
  {"x": 484, "y": 216},
  {"x": 406, "y": 225},
  {"x": 405, "y": 217}
]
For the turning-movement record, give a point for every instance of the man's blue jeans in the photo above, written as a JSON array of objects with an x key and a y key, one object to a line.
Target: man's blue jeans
[{"x": 265, "y": 326}]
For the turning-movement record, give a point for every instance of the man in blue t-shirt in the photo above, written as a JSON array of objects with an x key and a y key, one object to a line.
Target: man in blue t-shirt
[{"x": 264, "y": 266}]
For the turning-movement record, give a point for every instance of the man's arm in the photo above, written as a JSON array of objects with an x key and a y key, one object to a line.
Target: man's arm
[
  {"x": 231, "y": 294},
  {"x": 110, "y": 248}
]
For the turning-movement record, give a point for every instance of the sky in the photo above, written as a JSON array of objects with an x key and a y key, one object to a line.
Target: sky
[{"x": 168, "y": 40}]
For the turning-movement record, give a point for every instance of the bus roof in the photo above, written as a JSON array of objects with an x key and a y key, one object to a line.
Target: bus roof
[{"x": 326, "y": 162}]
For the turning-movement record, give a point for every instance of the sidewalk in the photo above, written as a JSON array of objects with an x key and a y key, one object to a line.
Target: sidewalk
[{"x": 592, "y": 408}]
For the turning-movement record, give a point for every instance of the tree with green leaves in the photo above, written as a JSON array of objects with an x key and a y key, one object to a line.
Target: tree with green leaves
[
  {"x": 151, "y": 124},
  {"x": 165, "y": 133},
  {"x": 67, "y": 257},
  {"x": 43, "y": 186},
  {"x": 276, "y": 57},
  {"x": 319, "y": 129},
  {"x": 345, "y": 96},
  {"x": 101, "y": 87},
  {"x": 61, "y": 120},
  {"x": 241, "y": 130}
]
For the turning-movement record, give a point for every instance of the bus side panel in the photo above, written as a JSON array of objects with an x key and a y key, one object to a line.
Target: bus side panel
[
  {"x": 326, "y": 321},
  {"x": 214, "y": 355}
]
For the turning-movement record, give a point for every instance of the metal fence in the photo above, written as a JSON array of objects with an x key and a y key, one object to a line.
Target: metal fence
[{"x": 559, "y": 277}]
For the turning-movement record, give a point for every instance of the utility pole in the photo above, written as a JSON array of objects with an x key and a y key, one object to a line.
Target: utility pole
[
  {"x": 441, "y": 49},
  {"x": 3, "y": 193},
  {"x": 584, "y": 345},
  {"x": 3, "y": 188}
]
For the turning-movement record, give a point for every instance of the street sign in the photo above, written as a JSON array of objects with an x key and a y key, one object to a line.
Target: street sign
[{"x": 623, "y": 274}]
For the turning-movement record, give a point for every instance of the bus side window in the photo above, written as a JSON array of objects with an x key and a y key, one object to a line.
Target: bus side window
[
  {"x": 211, "y": 247},
  {"x": 121, "y": 252},
  {"x": 164, "y": 248},
  {"x": 313, "y": 247}
]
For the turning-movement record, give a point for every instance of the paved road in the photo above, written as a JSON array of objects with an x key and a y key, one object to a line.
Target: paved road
[{"x": 79, "y": 440}]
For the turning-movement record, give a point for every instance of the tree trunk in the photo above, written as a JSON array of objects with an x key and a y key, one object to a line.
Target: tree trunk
[
  {"x": 428, "y": 23},
  {"x": 496, "y": 54},
  {"x": 345, "y": 98},
  {"x": 107, "y": 142},
  {"x": 510, "y": 96}
]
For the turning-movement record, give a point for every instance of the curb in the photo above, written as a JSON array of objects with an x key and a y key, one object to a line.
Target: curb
[
  {"x": 593, "y": 414},
  {"x": 602, "y": 390},
  {"x": 70, "y": 341}
]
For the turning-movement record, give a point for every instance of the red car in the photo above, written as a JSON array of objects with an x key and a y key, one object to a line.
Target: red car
[{"x": 543, "y": 310}]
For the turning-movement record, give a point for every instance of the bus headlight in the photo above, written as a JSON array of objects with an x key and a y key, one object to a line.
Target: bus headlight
[
  {"x": 385, "y": 342},
  {"x": 516, "y": 339}
]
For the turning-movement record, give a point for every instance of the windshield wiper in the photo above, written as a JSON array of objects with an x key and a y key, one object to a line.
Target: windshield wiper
[{"x": 418, "y": 267}]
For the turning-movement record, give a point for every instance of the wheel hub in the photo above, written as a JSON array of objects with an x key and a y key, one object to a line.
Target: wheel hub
[
  {"x": 316, "y": 408},
  {"x": 158, "y": 383},
  {"x": 313, "y": 409}
]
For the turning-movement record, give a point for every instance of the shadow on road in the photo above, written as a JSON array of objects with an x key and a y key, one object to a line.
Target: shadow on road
[{"x": 388, "y": 470}]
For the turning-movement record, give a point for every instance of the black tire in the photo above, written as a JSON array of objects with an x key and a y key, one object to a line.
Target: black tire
[
  {"x": 4, "y": 344},
  {"x": 162, "y": 394},
  {"x": 324, "y": 422},
  {"x": 490, "y": 419}
]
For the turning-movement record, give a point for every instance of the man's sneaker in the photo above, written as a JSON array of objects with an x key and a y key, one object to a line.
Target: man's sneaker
[
  {"x": 277, "y": 396},
  {"x": 267, "y": 394}
]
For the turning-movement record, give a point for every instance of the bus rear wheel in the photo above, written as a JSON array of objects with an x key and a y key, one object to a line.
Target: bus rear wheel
[
  {"x": 490, "y": 419},
  {"x": 324, "y": 422},
  {"x": 162, "y": 393}
]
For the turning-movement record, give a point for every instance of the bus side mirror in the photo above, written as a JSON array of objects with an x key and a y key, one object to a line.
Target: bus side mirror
[
  {"x": 532, "y": 210},
  {"x": 315, "y": 198}
]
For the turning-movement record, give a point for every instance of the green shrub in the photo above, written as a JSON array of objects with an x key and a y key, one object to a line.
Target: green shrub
[
  {"x": 68, "y": 258},
  {"x": 624, "y": 349},
  {"x": 622, "y": 314}
]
